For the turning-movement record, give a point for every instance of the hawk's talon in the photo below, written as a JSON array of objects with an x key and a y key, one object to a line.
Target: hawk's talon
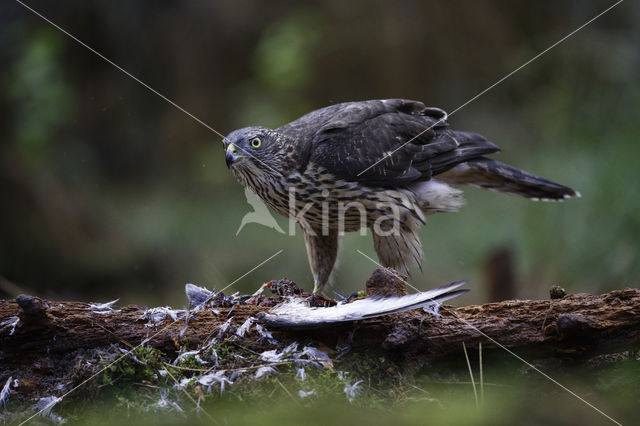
[{"x": 320, "y": 300}]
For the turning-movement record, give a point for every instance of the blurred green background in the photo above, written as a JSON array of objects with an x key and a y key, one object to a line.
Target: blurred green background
[{"x": 109, "y": 191}]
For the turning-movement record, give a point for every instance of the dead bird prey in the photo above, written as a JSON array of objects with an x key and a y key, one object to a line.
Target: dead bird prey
[
  {"x": 378, "y": 164},
  {"x": 296, "y": 312}
]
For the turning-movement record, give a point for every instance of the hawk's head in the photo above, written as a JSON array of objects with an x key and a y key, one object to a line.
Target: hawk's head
[{"x": 254, "y": 148}]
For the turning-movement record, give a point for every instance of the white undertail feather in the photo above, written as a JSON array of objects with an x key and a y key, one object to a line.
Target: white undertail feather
[
  {"x": 435, "y": 196},
  {"x": 295, "y": 312}
]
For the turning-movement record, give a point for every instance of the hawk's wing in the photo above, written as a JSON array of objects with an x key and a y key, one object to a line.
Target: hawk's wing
[{"x": 348, "y": 139}]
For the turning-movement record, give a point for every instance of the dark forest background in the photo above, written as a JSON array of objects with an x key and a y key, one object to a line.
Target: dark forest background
[{"x": 109, "y": 191}]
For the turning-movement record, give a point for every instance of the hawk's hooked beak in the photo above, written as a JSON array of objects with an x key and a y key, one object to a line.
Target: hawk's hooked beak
[{"x": 232, "y": 155}]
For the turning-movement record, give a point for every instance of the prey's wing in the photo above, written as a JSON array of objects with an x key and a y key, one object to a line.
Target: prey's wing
[{"x": 296, "y": 314}]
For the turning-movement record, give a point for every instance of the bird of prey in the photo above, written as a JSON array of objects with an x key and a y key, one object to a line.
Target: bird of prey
[{"x": 378, "y": 164}]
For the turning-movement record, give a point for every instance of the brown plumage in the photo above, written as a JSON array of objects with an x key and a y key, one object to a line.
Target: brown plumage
[{"x": 359, "y": 164}]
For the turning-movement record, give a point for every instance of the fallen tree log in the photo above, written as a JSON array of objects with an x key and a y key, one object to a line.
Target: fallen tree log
[{"x": 35, "y": 332}]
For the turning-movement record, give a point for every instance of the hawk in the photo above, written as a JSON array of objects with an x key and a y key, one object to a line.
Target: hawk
[{"x": 377, "y": 164}]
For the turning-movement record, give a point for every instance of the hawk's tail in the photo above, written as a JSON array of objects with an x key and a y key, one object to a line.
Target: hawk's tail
[{"x": 496, "y": 176}]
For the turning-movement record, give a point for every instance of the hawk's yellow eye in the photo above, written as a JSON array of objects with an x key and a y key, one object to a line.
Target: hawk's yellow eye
[{"x": 256, "y": 142}]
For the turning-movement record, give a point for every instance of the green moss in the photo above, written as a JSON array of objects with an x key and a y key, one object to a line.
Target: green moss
[
  {"x": 142, "y": 364},
  {"x": 222, "y": 349}
]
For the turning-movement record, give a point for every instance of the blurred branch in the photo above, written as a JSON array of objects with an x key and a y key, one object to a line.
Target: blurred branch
[{"x": 498, "y": 274}]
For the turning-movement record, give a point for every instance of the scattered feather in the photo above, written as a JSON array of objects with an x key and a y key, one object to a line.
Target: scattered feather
[
  {"x": 44, "y": 407},
  {"x": 236, "y": 374},
  {"x": 304, "y": 394},
  {"x": 183, "y": 383},
  {"x": 315, "y": 354},
  {"x": 244, "y": 328},
  {"x": 291, "y": 348},
  {"x": 352, "y": 390},
  {"x": 187, "y": 317},
  {"x": 196, "y": 295},
  {"x": 295, "y": 312},
  {"x": 202, "y": 361},
  {"x": 301, "y": 374},
  {"x": 265, "y": 335},
  {"x": 103, "y": 308},
  {"x": 223, "y": 328},
  {"x": 130, "y": 354},
  {"x": 340, "y": 294},
  {"x": 154, "y": 316},
  {"x": 185, "y": 355},
  {"x": 272, "y": 356},
  {"x": 265, "y": 371},
  {"x": 165, "y": 404},
  {"x": 433, "y": 309},
  {"x": 231, "y": 310},
  {"x": 10, "y": 322},
  {"x": 6, "y": 391},
  {"x": 211, "y": 379}
]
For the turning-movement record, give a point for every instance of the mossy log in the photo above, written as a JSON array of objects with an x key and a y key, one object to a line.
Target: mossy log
[{"x": 577, "y": 325}]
